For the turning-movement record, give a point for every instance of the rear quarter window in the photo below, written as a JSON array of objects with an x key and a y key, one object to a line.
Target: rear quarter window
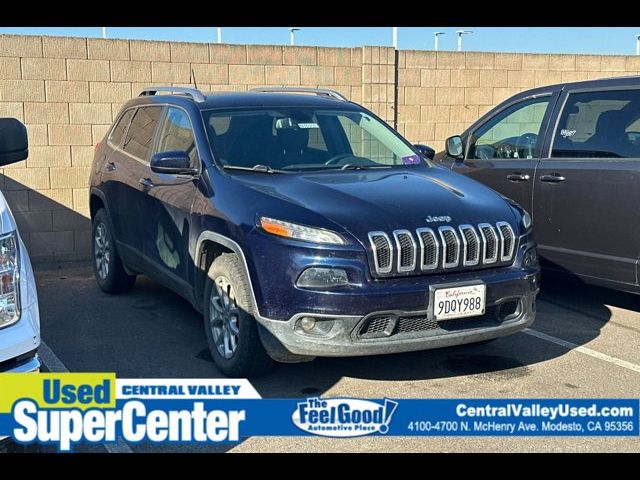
[{"x": 117, "y": 134}]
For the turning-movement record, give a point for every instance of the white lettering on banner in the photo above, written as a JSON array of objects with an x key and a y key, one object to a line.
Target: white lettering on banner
[{"x": 68, "y": 427}]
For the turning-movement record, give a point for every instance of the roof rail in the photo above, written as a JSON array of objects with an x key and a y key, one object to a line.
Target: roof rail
[
  {"x": 194, "y": 93},
  {"x": 321, "y": 92}
]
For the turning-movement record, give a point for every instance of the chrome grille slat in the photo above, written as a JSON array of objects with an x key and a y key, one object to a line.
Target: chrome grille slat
[
  {"x": 382, "y": 251},
  {"x": 470, "y": 245},
  {"x": 406, "y": 247},
  {"x": 507, "y": 237},
  {"x": 450, "y": 247},
  {"x": 489, "y": 243},
  {"x": 425, "y": 249},
  {"x": 429, "y": 248}
]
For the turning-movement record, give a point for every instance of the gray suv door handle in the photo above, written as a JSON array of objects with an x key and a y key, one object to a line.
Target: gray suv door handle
[
  {"x": 518, "y": 177},
  {"x": 553, "y": 178},
  {"x": 146, "y": 183}
]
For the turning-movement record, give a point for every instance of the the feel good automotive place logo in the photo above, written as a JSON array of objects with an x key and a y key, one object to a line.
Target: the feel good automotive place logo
[{"x": 344, "y": 417}]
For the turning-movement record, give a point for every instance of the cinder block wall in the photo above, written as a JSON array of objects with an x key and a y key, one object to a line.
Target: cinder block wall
[
  {"x": 441, "y": 93},
  {"x": 68, "y": 90}
]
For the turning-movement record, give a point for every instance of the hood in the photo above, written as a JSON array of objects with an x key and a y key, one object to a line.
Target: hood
[{"x": 364, "y": 201}]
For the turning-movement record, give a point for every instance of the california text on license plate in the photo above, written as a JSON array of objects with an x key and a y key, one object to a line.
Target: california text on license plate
[{"x": 458, "y": 302}]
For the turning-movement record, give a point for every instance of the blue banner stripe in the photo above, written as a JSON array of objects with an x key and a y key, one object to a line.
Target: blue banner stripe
[{"x": 400, "y": 417}]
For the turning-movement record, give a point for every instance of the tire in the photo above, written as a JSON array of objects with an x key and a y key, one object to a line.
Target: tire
[
  {"x": 107, "y": 265},
  {"x": 229, "y": 322}
]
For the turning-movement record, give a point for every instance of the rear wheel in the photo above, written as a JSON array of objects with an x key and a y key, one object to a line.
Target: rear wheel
[
  {"x": 107, "y": 265},
  {"x": 229, "y": 322}
]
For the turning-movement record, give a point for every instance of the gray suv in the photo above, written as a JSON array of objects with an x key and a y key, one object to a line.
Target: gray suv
[{"x": 570, "y": 154}]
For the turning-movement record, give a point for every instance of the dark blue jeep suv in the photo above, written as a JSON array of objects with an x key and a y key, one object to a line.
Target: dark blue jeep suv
[{"x": 302, "y": 225}]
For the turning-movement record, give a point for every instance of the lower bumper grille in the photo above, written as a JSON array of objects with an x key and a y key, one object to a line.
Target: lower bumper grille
[{"x": 384, "y": 326}]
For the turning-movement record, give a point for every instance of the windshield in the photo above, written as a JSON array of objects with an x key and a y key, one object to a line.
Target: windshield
[{"x": 303, "y": 138}]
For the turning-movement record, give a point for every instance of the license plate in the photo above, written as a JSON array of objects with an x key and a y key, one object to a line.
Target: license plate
[{"x": 459, "y": 302}]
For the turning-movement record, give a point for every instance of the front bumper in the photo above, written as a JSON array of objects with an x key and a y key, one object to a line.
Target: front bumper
[
  {"x": 27, "y": 363},
  {"x": 345, "y": 338}
]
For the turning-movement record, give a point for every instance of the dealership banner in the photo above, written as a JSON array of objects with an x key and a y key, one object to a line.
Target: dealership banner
[{"x": 83, "y": 408}]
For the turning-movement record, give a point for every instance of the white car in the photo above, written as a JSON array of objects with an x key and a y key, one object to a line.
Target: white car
[{"x": 19, "y": 316}]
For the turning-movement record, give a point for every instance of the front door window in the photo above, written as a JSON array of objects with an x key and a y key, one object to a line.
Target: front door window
[{"x": 513, "y": 133}]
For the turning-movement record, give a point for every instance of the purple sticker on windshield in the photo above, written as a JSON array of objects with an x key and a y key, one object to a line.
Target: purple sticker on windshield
[{"x": 411, "y": 160}]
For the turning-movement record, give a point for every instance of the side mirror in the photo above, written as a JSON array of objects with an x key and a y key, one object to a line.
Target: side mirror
[
  {"x": 172, "y": 163},
  {"x": 454, "y": 147},
  {"x": 14, "y": 144},
  {"x": 425, "y": 150}
]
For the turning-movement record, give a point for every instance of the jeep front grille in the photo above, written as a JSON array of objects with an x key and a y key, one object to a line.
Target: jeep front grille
[{"x": 447, "y": 248}]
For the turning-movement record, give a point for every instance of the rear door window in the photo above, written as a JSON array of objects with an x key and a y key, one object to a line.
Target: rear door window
[
  {"x": 141, "y": 132},
  {"x": 603, "y": 124}
]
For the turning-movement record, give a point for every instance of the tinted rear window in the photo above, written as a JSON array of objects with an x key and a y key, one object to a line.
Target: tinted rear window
[{"x": 599, "y": 125}]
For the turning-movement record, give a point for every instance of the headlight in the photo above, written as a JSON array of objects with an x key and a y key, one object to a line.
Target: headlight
[
  {"x": 9, "y": 280},
  {"x": 526, "y": 220},
  {"x": 300, "y": 232},
  {"x": 322, "y": 277}
]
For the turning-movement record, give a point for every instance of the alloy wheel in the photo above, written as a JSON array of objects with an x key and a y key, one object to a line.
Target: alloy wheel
[
  {"x": 223, "y": 317},
  {"x": 102, "y": 251}
]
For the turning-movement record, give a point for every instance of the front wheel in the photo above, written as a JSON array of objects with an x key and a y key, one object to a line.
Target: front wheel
[
  {"x": 107, "y": 265},
  {"x": 229, "y": 322}
]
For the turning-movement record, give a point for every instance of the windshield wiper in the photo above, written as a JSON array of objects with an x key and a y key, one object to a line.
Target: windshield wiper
[
  {"x": 256, "y": 168},
  {"x": 351, "y": 166}
]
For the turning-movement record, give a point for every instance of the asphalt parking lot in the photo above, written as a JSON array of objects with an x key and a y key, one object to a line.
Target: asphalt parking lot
[{"x": 584, "y": 344}]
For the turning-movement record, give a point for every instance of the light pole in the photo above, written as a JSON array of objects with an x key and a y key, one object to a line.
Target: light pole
[
  {"x": 395, "y": 38},
  {"x": 435, "y": 39},
  {"x": 638, "y": 44},
  {"x": 104, "y": 32},
  {"x": 292, "y": 32},
  {"x": 219, "y": 34},
  {"x": 460, "y": 33}
]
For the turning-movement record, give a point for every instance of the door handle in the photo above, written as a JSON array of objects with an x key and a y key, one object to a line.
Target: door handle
[
  {"x": 552, "y": 178},
  {"x": 518, "y": 177},
  {"x": 146, "y": 183},
  {"x": 111, "y": 167}
]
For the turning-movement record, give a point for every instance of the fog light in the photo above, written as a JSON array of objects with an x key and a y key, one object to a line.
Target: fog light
[
  {"x": 322, "y": 277},
  {"x": 530, "y": 258},
  {"x": 315, "y": 327},
  {"x": 307, "y": 323}
]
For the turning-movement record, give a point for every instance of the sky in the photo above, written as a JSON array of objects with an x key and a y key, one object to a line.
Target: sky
[{"x": 595, "y": 40}]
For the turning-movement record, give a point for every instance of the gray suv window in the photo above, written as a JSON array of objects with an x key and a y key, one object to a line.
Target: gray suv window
[
  {"x": 599, "y": 125},
  {"x": 141, "y": 132},
  {"x": 512, "y": 133}
]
